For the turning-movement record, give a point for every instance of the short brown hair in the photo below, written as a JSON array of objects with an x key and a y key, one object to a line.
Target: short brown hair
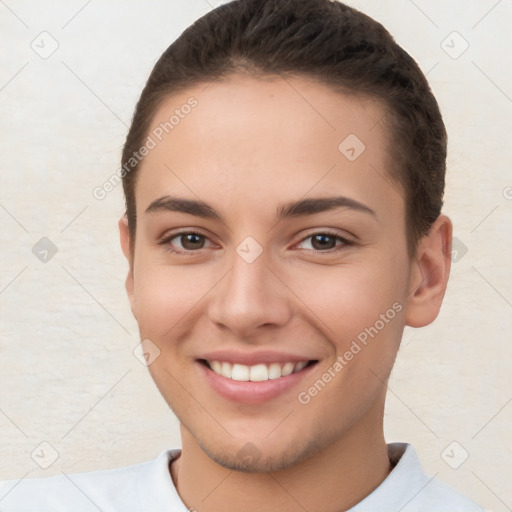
[{"x": 321, "y": 39}]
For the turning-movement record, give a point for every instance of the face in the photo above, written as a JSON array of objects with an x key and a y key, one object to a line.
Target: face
[{"x": 269, "y": 240}]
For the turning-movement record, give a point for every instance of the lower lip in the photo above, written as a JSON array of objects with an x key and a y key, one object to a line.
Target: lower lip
[{"x": 251, "y": 393}]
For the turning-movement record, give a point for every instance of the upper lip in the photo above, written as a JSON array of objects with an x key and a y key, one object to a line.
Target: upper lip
[{"x": 253, "y": 358}]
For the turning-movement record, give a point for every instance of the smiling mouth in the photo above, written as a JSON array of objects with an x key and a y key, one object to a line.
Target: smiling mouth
[{"x": 257, "y": 373}]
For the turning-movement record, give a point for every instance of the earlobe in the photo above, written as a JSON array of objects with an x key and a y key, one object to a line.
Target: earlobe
[
  {"x": 429, "y": 274},
  {"x": 128, "y": 251}
]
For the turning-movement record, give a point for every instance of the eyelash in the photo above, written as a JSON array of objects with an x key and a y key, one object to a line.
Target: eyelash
[{"x": 344, "y": 242}]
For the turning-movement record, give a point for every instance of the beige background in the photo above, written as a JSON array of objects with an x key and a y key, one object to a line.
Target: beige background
[{"x": 68, "y": 374}]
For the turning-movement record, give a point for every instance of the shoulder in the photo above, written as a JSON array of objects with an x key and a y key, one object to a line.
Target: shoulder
[
  {"x": 409, "y": 489},
  {"x": 437, "y": 496},
  {"x": 130, "y": 488}
]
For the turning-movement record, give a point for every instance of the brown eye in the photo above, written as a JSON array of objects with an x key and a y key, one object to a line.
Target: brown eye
[
  {"x": 323, "y": 242},
  {"x": 185, "y": 242},
  {"x": 191, "y": 241},
  {"x": 320, "y": 242}
]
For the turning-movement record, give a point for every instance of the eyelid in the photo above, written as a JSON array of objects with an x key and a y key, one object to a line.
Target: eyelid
[
  {"x": 345, "y": 241},
  {"x": 166, "y": 239}
]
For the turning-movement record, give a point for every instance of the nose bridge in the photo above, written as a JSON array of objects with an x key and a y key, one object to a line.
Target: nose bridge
[
  {"x": 250, "y": 295},
  {"x": 248, "y": 278}
]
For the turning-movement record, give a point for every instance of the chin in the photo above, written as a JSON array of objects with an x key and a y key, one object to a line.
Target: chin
[{"x": 253, "y": 457}]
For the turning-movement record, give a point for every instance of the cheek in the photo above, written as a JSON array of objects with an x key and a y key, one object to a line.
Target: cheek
[
  {"x": 361, "y": 314},
  {"x": 165, "y": 295},
  {"x": 348, "y": 299}
]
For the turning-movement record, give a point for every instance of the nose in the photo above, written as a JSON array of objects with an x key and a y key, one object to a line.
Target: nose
[{"x": 251, "y": 296}]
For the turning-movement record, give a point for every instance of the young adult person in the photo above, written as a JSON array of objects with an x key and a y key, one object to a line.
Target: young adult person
[{"x": 284, "y": 175}]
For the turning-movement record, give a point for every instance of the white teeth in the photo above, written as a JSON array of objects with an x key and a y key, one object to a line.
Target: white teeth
[
  {"x": 216, "y": 367},
  {"x": 225, "y": 370},
  {"x": 287, "y": 369},
  {"x": 274, "y": 371},
  {"x": 257, "y": 373},
  {"x": 240, "y": 372},
  {"x": 299, "y": 366}
]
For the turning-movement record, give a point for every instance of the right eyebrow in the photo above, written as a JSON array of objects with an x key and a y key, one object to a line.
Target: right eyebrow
[{"x": 190, "y": 206}]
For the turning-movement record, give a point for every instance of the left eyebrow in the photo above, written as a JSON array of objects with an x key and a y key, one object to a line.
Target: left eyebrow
[{"x": 321, "y": 204}]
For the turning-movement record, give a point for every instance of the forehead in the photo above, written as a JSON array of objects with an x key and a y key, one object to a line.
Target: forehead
[{"x": 265, "y": 135}]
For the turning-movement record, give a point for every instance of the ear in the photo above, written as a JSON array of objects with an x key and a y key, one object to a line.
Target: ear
[
  {"x": 128, "y": 251},
  {"x": 429, "y": 274}
]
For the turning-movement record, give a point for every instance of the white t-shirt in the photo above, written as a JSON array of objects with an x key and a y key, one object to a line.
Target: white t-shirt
[{"x": 148, "y": 487}]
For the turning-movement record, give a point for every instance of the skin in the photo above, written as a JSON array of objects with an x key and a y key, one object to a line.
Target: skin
[{"x": 251, "y": 145}]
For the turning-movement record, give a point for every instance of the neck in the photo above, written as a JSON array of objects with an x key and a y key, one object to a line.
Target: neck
[{"x": 334, "y": 479}]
